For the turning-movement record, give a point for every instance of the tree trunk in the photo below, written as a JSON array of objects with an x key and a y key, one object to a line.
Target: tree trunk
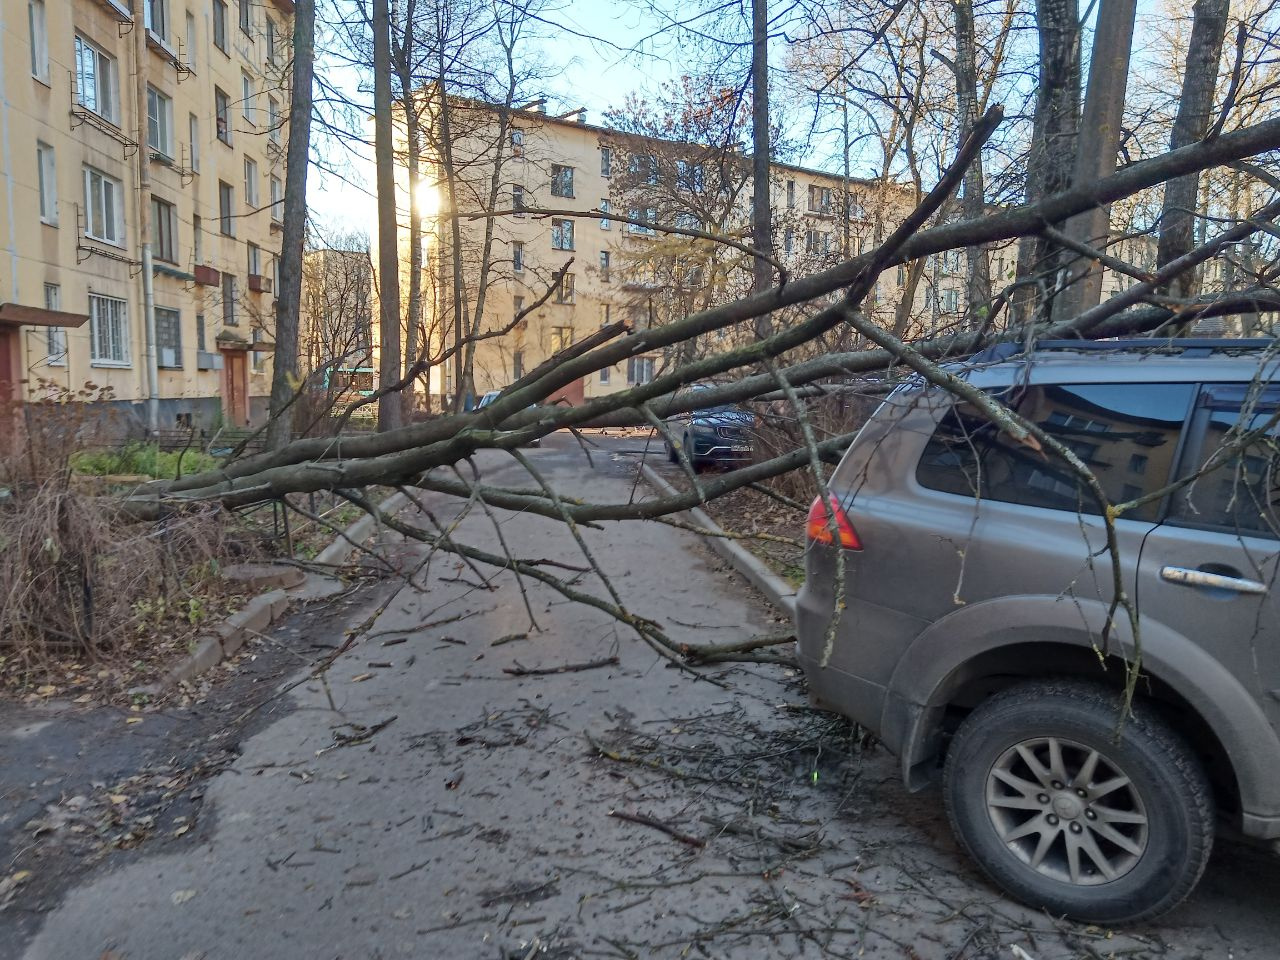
[
  {"x": 284, "y": 376},
  {"x": 413, "y": 149},
  {"x": 1098, "y": 144},
  {"x": 1199, "y": 81},
  {"x": 389, "y": 405},
  {"x": 1054, "y": 130},
  {"x": 978, "y": 274},
  {"x": 761, "y": 218}
]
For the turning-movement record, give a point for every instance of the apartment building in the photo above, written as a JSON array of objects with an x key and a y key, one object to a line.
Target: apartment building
[{"x": 143, "y": 143}]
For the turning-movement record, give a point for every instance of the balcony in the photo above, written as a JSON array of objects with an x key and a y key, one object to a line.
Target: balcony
[
  {"x": 259, "y": 283},
  {"x": 207, "y": 276}
]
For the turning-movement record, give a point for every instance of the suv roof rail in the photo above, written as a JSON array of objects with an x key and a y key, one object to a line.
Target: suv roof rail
[{"x": 1187, "y": 346}]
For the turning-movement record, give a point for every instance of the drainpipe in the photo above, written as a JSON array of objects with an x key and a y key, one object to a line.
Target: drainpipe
[{"x": 144, "y": 226}]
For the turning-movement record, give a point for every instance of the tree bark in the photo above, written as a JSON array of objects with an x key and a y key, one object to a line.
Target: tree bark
[
  {"x": 761, "y": 217},
  {"x": 1199, "y": 82},
  {"x": 978, "y": 274},
  {"x": 389, "y": 405},
  {"x": 1098, "y": 144},
  {"x": 413, "y": 352},
  {"x": 284, "y": 376}
]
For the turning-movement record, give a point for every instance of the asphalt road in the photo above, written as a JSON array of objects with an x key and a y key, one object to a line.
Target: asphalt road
[{"x": 423, "y": 802}]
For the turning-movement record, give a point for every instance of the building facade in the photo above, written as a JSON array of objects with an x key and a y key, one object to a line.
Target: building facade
[{"x": 143, "y": 144}]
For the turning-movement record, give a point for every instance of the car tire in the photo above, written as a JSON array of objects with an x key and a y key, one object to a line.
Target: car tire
[
  {"x": 694, "y": 464},
  {"x": 1153, "y": 831},
  {"x": 672, "y": 456}
]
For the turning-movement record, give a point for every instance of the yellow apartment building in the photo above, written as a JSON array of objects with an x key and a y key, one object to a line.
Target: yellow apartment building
[{"x": 142, "y": 143}]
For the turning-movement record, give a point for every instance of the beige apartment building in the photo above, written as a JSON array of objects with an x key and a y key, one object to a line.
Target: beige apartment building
[{"x": 143, "y": 146}]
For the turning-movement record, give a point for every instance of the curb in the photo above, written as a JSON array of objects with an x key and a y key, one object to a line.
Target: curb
[
  {"x": 259, "y": 612},
  {"x": 777, "y": 590}
]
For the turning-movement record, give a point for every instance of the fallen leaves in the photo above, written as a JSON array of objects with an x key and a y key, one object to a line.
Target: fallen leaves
[{"x": 179, "y": 897}]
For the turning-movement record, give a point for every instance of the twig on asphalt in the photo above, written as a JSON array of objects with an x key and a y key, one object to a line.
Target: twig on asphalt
[
  {"x": 647, "y": 821},
  {"x": 510, "y": 638},
  {"x": 519, "y": 671}
]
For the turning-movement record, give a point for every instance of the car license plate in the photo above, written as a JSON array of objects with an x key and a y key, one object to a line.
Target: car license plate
[{"x": 741, "y": 448}]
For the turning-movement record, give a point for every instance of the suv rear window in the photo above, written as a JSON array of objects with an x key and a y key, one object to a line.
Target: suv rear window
[
  {"x": 1243, "y": 494},
  {"x": 1127, "y": 433}
]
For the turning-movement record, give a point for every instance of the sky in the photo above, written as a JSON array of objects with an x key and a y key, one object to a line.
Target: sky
[{"x": 590, "y": 65}]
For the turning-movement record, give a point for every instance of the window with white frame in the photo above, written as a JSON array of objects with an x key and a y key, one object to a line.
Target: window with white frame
[
  {"x": 103, "y": 207},
  {"x": 517, "y": 256},
  {"x": 226, "y": 207},
  {"x": 251, "y": 182},
  {"x": 647, "y": 214},
  {"x": 96, "y": 85},
  {"x": 271, "y": 42},
  {"x": 193, "y": 133},
  {"x": 164, "y": 230},
  {"x": 606, "y": 161},
  {"x": 39, "y": 40},
  {"x": 246, "y": 96},
  {"x": 156, "y": 16},
  {"x": 565, "y": 290},
  {"x": 108, "y": 331},
  {"x": 222, "y": 115},
  {"x": 168, "y": 338},
  {"x": 605, "y": 222},
  {"x": 644, "y": 166},
  {"x": 639, "y": 369},
  {"x": 277, "y": 198},
  {"x": 254, "y": 260},
  {"x": 246, "y": 18},
  {"x": 604, "y": 374},
  {"x": 606, "y": 260},
  {"x": 189, "y": 54},
  {"x": 47, "y": 172},
  {"x": 55, "y": 337},
  {"x": 561, "y": 180},
  {"x": 561, "y": 337},
  {"x": 197, "y": 237},
  {"x": 820, "y": 200},
  {"x": 220, "y": 25},
  {"x": 159, "y": 122},
  {"x": 517, "y": 308},
  {"x": 273, "y": 119},
  {"x": 517, "y": 199},
  {"x": 517, "y": 143},
  {"x": 561, "y": 234},
  {"x": 791, "y": 194},
  {"x": 229, "y": 318}
]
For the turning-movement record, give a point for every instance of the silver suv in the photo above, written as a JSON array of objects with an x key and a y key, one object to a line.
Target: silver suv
[{"x": 977, "y": 636}]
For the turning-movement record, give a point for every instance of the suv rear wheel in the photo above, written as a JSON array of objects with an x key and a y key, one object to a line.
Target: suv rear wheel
[{"x": 1068, "y": 814}]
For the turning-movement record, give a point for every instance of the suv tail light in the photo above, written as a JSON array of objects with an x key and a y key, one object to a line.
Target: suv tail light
[{"x": 818, "y": 529}]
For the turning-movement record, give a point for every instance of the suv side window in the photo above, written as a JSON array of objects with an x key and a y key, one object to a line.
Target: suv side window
[
  {"x": 1242, "y": 495},
  {"x": 1127, "y": 433}
]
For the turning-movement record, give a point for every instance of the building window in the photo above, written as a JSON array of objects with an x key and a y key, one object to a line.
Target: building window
[
  {"x": 561, "y": 234},
  {"x": 647, "y": 214},
  {"x": 604, "y": 375},
  {"x": 55, "y": 337},
  {"x": 690, "y": 176},
  {"x": 108, "y": 331},
  {"x": 273, "y": 119},
  {"x": 517, "y": 200},
  {"x": 277, "y": 198},
  {"x": 271, "y": 42},
  {"x": 517, "y": 256},
  {"x": 156, "y": 17},
  {"x": 251, "y": 182},
  {"x": 565, "y": 290},
  {"x": 517, "y": 364},
  {"x": 246, "y": 96},
  {"x": 164, "y": 230},
  {"x": 561, "y": 338},
  {"x": 226, "y": 201},
  {"x": 220, "y": 25},
  {"x": 189, "y": 55},
  {"x": 104, "y": 207},
  {"x": 606, "y": 161},
  {"x": 789, "y": 241},
  {"x": 517, "y": 308},
  {"x": 159, "y": 122},
  {"x": 246, "y": 21},
  {"x": 517, "y": 143},
  {"x": 605, "y": 313},
  {"x": 255, "y": 260},
  {"x": 605, "y": 261},
  {"x": 561, "y": 181},
  {"x": 47, "y": 172},
  {"x": 791, "y": 194},
  {"x": 39, "y": 40},
  {"x": 644, "y": 167},
  {"x": 95, "y": 80},
  {"x": 197, "y": 237},
  {"x": 820, "y": 200},
  {"x": 605, "y": 222},
  {"x": 168, "y": 338},
  {"x": 200, "y": 336},
  {"x": 222, "y": 111},
  {"x": 951, "y": 300},
  {"x": 193, "y": 131},
  {"x": 229, "y": 300},
  {"x": 639, "y": 369}
]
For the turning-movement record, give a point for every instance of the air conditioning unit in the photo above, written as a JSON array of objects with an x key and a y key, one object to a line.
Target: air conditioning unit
[
  {"x": 168, "y": 357},
  {"x": 207, "y": 360}
]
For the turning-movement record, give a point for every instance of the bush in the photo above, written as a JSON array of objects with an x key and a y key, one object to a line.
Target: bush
[{"x": 144, "y": 459}]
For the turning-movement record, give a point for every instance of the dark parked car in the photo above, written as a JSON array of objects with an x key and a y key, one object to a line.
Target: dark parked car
[
  {"x": 719, "y": 435},
  {"x": 977, "y": 636}
]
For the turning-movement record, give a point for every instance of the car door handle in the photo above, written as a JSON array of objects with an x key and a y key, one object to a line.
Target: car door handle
[{"x": 1216, "y": 581}]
